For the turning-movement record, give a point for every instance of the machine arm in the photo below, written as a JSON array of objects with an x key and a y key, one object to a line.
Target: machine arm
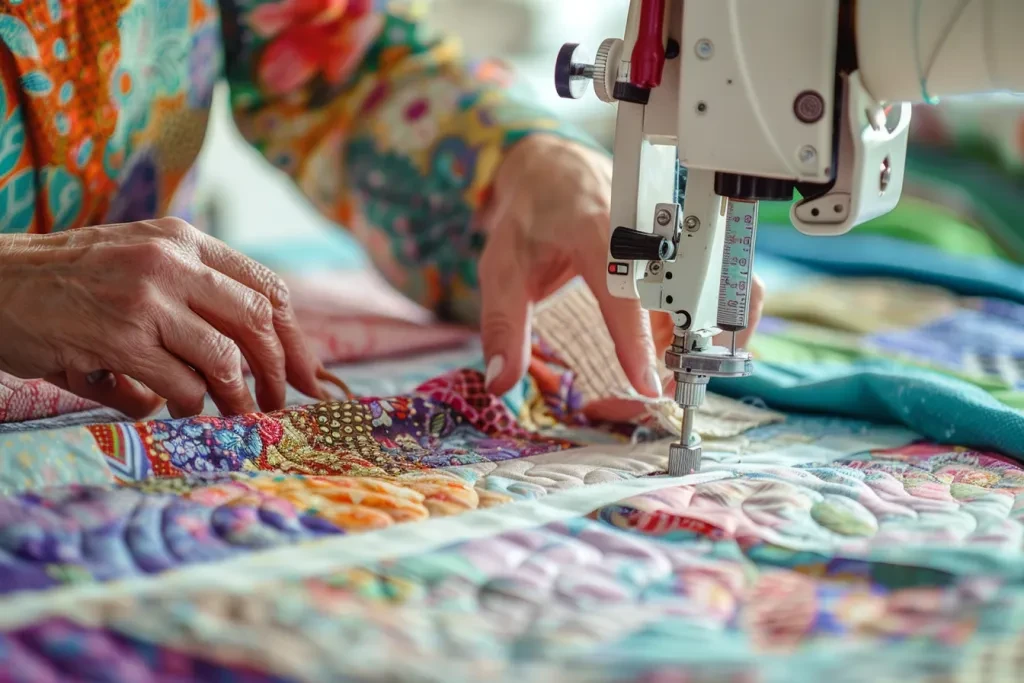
[{"x": 724, "y": 103}]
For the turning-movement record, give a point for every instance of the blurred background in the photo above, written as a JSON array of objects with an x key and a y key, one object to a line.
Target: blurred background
[
  {"x": 258, "y": 207},
  {"x": 260, "y": 214}
]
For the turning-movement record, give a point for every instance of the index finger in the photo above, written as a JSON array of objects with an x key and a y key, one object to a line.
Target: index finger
[
  {"x": 300, "y": 366},
  {"x": 628, "y": 324}
]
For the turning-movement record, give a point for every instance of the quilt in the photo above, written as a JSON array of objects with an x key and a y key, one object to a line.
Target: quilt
[{"x": 859, "y": 514}]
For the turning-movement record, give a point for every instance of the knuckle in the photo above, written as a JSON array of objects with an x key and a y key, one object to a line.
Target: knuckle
[
  {"x": 259, "y": 313},
  {"x": 175, "y": 227},
  {"x": 501, "y": 271},
  {"x": 209, "y": 279},
  {"x": 152, "y": 256},
  {"x": 496, "y": 326},
  {"x": 137, "y": 303},
  {"x": 276, "y": 290},
  {"x": 265, "y": 281},
  {"x": 593, "y": 221},
  {"x": 225, "y": 366}
]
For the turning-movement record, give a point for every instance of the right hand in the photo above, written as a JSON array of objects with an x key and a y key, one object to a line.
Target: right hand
[{"x": 131, "y": 315}]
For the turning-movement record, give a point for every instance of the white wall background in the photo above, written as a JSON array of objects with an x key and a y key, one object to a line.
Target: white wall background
[{"x": 259, "y": 205}]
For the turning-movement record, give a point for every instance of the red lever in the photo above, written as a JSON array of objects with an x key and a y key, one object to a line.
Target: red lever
[{"x": 648, "y": 58}]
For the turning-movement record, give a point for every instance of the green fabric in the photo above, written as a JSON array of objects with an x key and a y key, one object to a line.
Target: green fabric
[
  {"x": 811, "y": 345},
  {"x": 913, "y": 220},
  {"x": 994, "y": 194}
]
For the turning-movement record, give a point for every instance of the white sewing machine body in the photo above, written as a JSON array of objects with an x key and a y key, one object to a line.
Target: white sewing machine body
[{"x": 754, "y": 100}]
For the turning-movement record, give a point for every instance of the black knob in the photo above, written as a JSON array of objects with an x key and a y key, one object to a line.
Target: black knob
[
  {"x": 573, "y": 72},
  {"x": 628, "y": 244}
]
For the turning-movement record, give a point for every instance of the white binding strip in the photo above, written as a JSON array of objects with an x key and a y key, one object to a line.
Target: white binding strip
[{"x": 292, "y": 562}]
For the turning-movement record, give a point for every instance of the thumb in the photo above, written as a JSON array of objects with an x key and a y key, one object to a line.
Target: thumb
[
  {"x": 504, "y": 326},
  {"x": 113, "y": 390}
]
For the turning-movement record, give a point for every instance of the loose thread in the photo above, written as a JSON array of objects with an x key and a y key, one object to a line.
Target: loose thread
[
  {"x": 325, "y": 376},
  {"x": 922, "y": 76},
  {"x": 923, "y": 72}
]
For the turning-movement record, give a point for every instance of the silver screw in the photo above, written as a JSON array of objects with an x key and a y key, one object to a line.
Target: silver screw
[
  {"x": 663, "y": 217},
  {"x": 808, "y": 154},
  {"x": 655, "y": 267},
  {"x": 692, "y": 224},
  {"x": 705, "y": 48}
]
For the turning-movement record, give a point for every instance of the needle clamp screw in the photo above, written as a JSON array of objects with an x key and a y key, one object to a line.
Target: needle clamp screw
[{"x": 573, "y": 72}]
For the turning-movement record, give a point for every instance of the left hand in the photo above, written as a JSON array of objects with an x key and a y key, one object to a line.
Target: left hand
[{"x": 547, "y": 222}]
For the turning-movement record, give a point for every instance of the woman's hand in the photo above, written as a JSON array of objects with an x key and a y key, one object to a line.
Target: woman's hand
[
  {"x": 547, "y": 222},
  {"x": 128, "y": 315}
]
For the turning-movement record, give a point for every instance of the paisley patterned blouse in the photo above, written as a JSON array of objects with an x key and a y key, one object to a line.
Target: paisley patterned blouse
[{"x": 105, "y": 105}]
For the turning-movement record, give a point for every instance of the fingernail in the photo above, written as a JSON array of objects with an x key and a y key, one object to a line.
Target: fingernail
[
  {"x": 654, "y": 382},
  {"x": 100, "y": 377},
  {"x": 494, "y": 368}
]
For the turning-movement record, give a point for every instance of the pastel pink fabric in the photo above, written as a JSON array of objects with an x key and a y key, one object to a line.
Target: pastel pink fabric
[
  {"x": 356, "y": 316},
  {"x": 22, "y": 400}
]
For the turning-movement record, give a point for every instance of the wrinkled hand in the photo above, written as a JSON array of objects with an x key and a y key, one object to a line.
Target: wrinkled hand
[
  {"x": 131, "y": 315},
  {"x": 548, "y": 221}
]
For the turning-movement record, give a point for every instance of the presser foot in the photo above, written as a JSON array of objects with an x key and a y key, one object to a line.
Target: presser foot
[
  {"x": 693, "y": 370},
  {"x": 684, "y": 460}
]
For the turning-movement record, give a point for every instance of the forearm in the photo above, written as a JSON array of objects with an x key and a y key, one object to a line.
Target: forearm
[{"x": 403, "y": 153}]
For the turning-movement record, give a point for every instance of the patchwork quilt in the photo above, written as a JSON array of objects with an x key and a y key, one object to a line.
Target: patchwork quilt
[{"x": 858, "y": 516}]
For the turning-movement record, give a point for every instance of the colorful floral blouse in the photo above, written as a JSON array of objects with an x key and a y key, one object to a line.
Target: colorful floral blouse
[{"x": 105, "y": 105}]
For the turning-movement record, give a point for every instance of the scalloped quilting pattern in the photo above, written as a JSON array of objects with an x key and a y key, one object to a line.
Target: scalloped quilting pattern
[
  {"x": 77, "y": 534},
  {"x": 920, "y": 495},
  {"x": 779, "y": 562}
]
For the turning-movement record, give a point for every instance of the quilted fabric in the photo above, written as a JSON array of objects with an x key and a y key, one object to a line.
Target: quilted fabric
[
  {"x": 33, "y": 460},
  {"x": 91, "y": 533},
  {"x": 773, "y": 574},
  {"x": 948, "y": 373},
  {"x": 443, "y": 534},
  {"x": 24, "y": 400}
]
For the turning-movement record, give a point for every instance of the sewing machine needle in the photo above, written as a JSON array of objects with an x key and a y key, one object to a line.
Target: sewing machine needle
[{"x": 687, "y": 427}]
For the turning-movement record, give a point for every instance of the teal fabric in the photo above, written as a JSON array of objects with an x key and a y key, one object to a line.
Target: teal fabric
[
  {"x": 37, "y": 460},
  {"x": 879, "y": 256},
  {"x": 935, "y": 405},
  {"x": 329, "y": 249},
  {"x": 941, "y": 408}
]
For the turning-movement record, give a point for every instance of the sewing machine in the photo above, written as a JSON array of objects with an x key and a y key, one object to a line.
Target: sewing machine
[{"x": 725, "y": 103}]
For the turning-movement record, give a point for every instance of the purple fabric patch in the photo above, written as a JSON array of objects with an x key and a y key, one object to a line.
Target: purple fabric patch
[
  {"x": 992, "y": 339},
  {"x": 770, "y": 325},
  {"x": 963, "y": 331}
]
